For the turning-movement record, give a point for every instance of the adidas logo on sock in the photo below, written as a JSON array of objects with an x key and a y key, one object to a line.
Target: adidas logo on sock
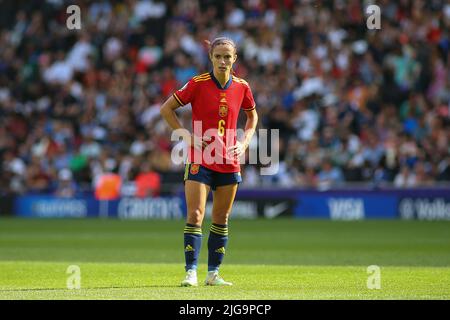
[
  {"x": 221, "y": 250},
  {"x": 189, "y": 248}
]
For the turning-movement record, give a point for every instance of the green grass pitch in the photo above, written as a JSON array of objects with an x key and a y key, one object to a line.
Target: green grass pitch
[{"x": 266, "y": 259}]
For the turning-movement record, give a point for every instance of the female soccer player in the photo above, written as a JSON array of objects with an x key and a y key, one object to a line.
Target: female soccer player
[{"x": 216, "y": 98}]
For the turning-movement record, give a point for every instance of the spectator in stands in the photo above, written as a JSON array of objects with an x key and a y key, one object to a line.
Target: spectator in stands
[
  {"x": 148, "y": 182},
  {"x": 405, "y": 178},
  {"x": 329, "y": 176},
  {"x": 65, "y": 186},
  {"x": 370, "y": 101}
]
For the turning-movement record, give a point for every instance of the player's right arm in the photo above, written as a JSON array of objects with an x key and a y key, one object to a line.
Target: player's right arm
[
  {"x": 167, "y": 111},
  {"x": 179, "y": 98}
]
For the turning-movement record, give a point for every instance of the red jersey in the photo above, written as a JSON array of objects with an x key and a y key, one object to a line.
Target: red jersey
[{"x": 217, "y": 110}]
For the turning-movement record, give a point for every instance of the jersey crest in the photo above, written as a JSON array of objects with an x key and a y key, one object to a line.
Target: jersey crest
[{"x": 223, "y": 110}]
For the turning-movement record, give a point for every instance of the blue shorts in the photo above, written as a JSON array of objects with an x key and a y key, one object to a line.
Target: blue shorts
[{"x": 209, "y": 177}]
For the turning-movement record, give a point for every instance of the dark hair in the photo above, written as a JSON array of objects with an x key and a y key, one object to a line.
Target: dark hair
[{"x": 219, "y": 41}]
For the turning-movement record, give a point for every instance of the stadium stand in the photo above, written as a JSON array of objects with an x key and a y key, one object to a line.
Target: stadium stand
[{"x": 352, "y": 105}]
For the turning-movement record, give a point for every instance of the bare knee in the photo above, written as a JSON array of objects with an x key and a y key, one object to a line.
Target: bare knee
[
  {"x": 220, "y": 217},
  {"x": 195, "y": 216}
]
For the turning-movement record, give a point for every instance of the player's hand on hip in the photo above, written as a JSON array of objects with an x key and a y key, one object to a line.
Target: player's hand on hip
[
  {"x": 198, "y": 142},
  {"x": 237, "y": 150}
]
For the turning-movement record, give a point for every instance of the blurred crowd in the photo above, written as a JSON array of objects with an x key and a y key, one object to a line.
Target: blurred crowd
[{"x": 352, "y": 105}]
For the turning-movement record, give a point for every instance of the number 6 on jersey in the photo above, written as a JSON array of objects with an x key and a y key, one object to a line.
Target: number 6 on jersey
[{"x": 221, "y": 127}]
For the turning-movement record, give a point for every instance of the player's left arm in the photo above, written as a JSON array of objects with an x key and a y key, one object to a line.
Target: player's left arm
[{"x": 250, "y": 126}]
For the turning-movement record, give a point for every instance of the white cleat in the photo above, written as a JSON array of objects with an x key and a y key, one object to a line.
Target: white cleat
[
  {"x": 191, "y": 279},
  {"x": 213, "y": 279}
]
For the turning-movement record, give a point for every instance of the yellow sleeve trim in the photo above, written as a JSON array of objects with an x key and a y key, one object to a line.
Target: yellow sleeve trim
[
  {"x": 201, "y": 75},
  {"x": 178, "y": 100},
  {"x": 241, "y": 81},
  {"x": 202, "y": 79}
]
